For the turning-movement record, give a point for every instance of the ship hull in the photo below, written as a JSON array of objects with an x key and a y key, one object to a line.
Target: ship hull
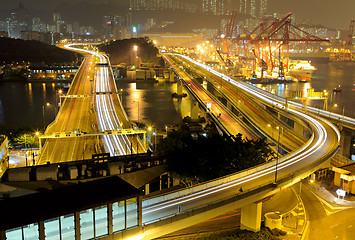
[{"x": 304, "y": 75}]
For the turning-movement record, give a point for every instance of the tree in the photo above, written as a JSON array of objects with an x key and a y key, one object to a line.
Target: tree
[{"x": 200, "y": 158}]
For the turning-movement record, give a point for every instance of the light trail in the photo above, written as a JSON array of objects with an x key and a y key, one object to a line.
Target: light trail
[{"x": 320, "y": 144}]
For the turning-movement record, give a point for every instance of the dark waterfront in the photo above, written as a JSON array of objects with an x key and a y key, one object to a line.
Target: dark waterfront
[
  {"x": 23, "y": 104},
  {"x": 327, "y": 77}
]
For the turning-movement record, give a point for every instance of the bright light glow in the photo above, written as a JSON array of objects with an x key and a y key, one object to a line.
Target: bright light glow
[
  {"x": 135, "y": 48},
  {"x": 340, "y": 193}
]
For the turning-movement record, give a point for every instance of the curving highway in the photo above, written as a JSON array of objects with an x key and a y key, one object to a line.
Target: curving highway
[{"x": 251, "y": 185}]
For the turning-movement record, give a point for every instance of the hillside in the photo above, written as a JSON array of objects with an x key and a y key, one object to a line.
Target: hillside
[
  {"x": 121, "y": 51},
  {"x": 17, "y": 50}
]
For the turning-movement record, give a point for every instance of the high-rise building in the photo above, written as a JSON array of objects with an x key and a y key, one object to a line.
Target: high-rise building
[
  {"x": 254, "y": 8},
  {"x": 110, "y": 22},
  {"x": 18, "y": 21},
  {"x": 217, "y": 7},
  {"x": 183, "y": 5}
]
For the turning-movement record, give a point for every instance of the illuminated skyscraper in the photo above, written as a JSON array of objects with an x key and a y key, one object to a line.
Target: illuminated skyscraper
[
  {"x": 263, "y": 7},
  {"x": 217, "y": 7},
  {"x": 18, "y": 21},
  {"x": 254, "y": 8},
  {"x": 183, "y": 5}
]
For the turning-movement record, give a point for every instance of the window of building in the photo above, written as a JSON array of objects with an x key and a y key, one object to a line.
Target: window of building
[
  {"x": 14, "y": 234},
  {"x": 118, "y": 216},
  {"x": 51, "y": 229},
  {"x": 101, "y": 221},
  {"x": 132, "y": 212},
  {"x": 30, "y": 231},
  {"x": 87, "y": 224},
  {"x": 67, "y": 226}
]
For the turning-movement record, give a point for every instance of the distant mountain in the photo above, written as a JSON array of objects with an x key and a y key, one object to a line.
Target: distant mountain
[{"x": 17, "y": 50}]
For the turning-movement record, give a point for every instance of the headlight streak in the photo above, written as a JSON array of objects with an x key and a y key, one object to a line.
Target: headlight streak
[
  {"x": 105, "y": 108},
  {"x": 216, "y": 107},
  {"x": 301, "y": 154}
]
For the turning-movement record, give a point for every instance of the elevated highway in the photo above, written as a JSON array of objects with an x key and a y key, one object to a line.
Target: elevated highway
[
  {"x": 172, "y": 211},
  {"x": 91, "y": 109},
  {"x": 245, "y": 189}
]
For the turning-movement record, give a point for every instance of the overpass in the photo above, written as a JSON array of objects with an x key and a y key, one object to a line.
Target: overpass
[
  {"x": 161, "y": 215},
  {"x": 91, "y": 119},
  {"x": 245, "y": 189}
]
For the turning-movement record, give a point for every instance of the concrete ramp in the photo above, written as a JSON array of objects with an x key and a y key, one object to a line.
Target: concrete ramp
[{"x": 140, "y": 178}]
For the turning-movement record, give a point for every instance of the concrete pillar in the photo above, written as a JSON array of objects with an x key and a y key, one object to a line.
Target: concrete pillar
[
  {"x": 229, "y": 106},
  {"x": 169, "y": 180},
  {"x": 146, "y": 189},
  {"x": 179, "y": 88},
  {"x": 194, "y": 110},
  {"x": 110, "y": 218},
  {"x": 298, "y": 128},
  {"x": 77, "y": 225},
  {"x": 172, "y": 76},
  {"x": 41, "y": 230},
  {"x": 345, "y": 142},
  {"x": 251, "y": 217},
  {"x": 2, "y": 235},
  {"x": 160, "y": 182},
  {"x": 175, "y": 182}
]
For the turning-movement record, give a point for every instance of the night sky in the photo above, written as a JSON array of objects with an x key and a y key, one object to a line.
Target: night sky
[{"x": 332, "y": 13}]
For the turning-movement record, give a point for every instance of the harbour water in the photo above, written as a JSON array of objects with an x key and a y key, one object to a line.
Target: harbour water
[{"x": 25, "y": 104}]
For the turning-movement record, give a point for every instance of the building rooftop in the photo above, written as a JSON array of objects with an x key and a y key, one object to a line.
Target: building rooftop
[{"x": 62, "y": 200}]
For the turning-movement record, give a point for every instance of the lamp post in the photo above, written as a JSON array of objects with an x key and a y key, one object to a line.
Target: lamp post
[
  {"x": 135, "y": 49},
  {"x": 60, "y": 91},
  {"x": 44, "y": 115},
  {"x": 154, "y": 133},
  {"x": 120, "y": 94},
  {"x": 343, "y": 116},
  {"x": 278, "y": 145}
]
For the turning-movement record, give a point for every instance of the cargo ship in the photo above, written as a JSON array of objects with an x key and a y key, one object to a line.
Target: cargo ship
[{"x": 301, "y": 70}]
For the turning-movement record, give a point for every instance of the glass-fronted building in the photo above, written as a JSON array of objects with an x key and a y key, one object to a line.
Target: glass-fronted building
[{"x": 89, "y": 210}]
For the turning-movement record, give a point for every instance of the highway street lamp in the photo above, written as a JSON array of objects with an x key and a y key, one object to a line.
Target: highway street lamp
[
  {"x": 44, "y": 115},
  {"x": 336, "y": 105},
  {"x": 120, "y": 94},
  {"x": 278, "y": 145},
  {"x": 135, "y": 48},
  {"x": 59, "y": 93},
  {"x": 154, "y": 133}
]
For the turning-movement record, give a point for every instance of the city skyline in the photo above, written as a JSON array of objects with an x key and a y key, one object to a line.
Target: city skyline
[{"x": 326, "y": 12}]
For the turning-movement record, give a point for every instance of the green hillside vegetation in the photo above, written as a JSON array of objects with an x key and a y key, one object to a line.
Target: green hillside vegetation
[
  {"x": 121, "y": 51},
  {"x": 17, "y": 50},
  {"x": 198, "y": 159}
]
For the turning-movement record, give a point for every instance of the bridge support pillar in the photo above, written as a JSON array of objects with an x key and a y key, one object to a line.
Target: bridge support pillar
[
  {"x": 345, "y": 142},
  {"x": 298, "y": 128},
  {"x": 194, "y": 110},
  {"x": 229, "y": 106},
  {"x": 179, "y": 88},
  {"x": 171, "y": 76},
  {"x": 251, "y": 217}
]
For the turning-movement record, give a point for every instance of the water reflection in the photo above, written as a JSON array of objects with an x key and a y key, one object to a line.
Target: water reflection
[
  {"x": 21, "y": 103},
  {"x": 327, "y": 77},
  {"x": 2, "y": 116}
]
